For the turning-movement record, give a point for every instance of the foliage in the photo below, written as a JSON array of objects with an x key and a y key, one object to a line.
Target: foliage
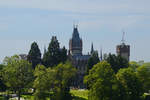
[
  {"x": 105, "y": 56},
  {"x": 2, "y": 85},
  {"x": 10, "y": 60},
  {"x": 54, "y": 55},
  {"x": 131, "y": 83},
  {"x": 134, "y": 65},
  {"x": 146, "y": 64},
  {"x": 63, "y": 55},
  {"x": 117, "y": 62},
  {"x": 34, "y": 55},
  {"x": 143, "y": 73},
  {"x": 102, "y": 83},
  {"x": 94, "y": 59},
  {"x": 64, "y": 74},
  {"x": 43, "y": 82},
  {"x": 55, "y": 80},
  {"x": 17, "y": 74}
]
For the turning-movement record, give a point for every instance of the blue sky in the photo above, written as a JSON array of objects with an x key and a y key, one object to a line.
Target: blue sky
[{"x": 100, "y": 22}]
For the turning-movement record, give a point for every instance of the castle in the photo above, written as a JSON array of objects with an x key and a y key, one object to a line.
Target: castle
[{"x": 79, "y": 60}]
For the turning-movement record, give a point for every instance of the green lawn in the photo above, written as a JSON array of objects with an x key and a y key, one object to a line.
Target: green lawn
[
  {"x": 80, "y": 94},
  {"x": 1, "y": 98}
]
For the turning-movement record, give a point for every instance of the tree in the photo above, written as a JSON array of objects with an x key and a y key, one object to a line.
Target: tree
[
  {"x": 42, "y": 82},
  {"x": 131, "y": 83},
  {"x": 55, "y": 80},
  {"x": 102, "y": 83},
  {"x": 2, "y": 85},
  {"x": 143, "y": 73},
  {"x": 94, "y": 59},
  {"x": 17, "y": 74},
  {"x": 34, "y": 55},
  {"x": 134, "y": 65},
  {"x": 64, "y": 74},
  {"x": 117, "y": 62},
  {"x": 52, "y": 56},
  {"x": 63, "y": 55}
]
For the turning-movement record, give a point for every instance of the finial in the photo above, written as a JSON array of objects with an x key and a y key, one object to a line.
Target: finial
[
  {"x": 101, "y": 54},
  {"x": 123, "y": 37},
  {"x": 75, "y": 25}
]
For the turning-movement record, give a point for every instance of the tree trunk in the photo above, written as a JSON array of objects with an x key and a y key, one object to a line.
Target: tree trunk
[{"x": 19, "y": 92}]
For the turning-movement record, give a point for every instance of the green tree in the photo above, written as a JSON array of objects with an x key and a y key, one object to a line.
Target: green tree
[
  {"x": 52, "y": 56},
  {"x": 131, "y": 83},
  {"x": 64, "y": 75},
  {"x": 43, "y": 82},
  {"x": 63, "y": 55},
  {"x": 2, "y": 85},
  {"x": 134, "y": 65},
  {"x": 102, "y": 83},
  {"x": 94, "y": 59},
  {"x": 17, "y": 74},
  {"x": 143, "y": 73},
  {"x": 117, "y": 62},
  {"x": 55, "y": 80},
  {"x": 34, "y": 55}
]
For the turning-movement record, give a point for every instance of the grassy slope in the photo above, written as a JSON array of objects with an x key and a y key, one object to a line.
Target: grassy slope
[{"x": 80, "y": 94}]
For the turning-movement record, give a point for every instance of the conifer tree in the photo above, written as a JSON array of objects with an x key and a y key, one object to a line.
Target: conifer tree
[
  {"x": 34, "y": 55},
  {"x": 63, "y": 54},
  {"x": 94, "y": 59},
  {"x": 53, "y": 55}
]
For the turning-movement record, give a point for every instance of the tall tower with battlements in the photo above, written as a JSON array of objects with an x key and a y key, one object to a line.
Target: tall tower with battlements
[{"x": 123, "y": 50}]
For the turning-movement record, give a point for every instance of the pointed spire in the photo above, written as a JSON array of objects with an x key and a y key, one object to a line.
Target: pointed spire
[
  {"x": 45, "y": 49},
  {"x": 123, "y": 37},
  {"x": 92, "y": 48},
  {"x": 101, "y": 54},
  {"x": 75, "y": 32}
]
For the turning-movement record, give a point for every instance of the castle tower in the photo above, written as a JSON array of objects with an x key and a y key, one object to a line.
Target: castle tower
[
  {"x": 92, "y": 49},
  {"x": 75, "y": 43},
  {"x": 123, "y": 50}
]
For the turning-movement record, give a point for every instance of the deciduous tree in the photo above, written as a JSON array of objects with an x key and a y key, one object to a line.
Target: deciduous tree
[
  {"x": 17, "y": 74},
  {"x": 2, "y": 85},
  {"x": 102, "y": 83},
  {"x": 117, "y": 62},
  {"x": 131, "y": 83},
  {"x": 56, "y": 80},
  {"x": 143, "y": 73}
]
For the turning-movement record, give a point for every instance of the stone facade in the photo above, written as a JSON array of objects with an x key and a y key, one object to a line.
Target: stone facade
[
  {"x": 77, "y": 58},
  {"x": 124, "y": 51}
]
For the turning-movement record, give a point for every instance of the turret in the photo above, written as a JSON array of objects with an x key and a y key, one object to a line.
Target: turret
[
  {"x": 92, "y": 48},
  {"x": 75, "y": 43}
]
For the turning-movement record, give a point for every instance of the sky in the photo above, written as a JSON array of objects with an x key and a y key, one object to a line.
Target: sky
[{"x": 99, "y": 21}]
